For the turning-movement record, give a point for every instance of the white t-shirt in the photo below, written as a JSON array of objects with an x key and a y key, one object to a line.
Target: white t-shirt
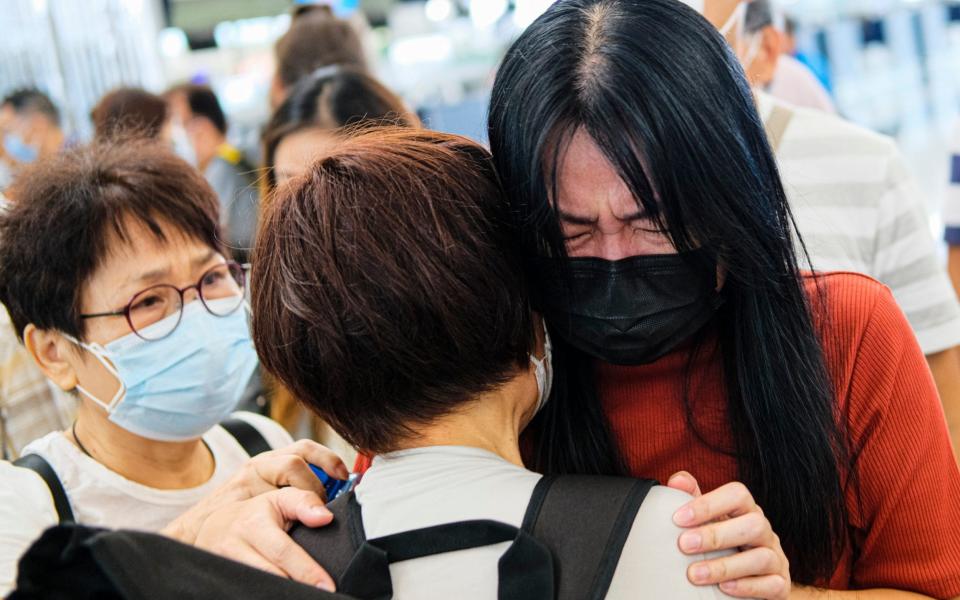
[
  {"x": 432, "y": 486},
  {"x": 101, "y": 498},
  {"x": 858, "y": 209}
]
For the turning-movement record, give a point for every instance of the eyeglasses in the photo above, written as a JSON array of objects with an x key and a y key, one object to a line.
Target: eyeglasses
[{"x": 220, "y": 291}]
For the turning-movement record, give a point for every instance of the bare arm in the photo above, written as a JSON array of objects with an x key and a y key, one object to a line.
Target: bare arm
[
  {"x": 945, "y": 367},
  {"x": 953, "y": 267}
]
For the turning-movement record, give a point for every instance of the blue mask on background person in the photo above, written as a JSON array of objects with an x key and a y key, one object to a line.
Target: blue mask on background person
[
  {"x": 177, "y": 388},
  {"x": 19, "y": 150}
]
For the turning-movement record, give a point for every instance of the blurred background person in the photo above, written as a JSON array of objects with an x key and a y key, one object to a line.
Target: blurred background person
[
  {"x": 130, "y": 111},
  {"x": 30, "y": 129},
  {"x": 321, "y": 109},
  {"x": 196, "y": 111},
  {"x": 316, "y": 38},
  {"x": 858, "y": 208},
  {"x": 771, "y": 67},
  {"x": 29, "y": 405}
]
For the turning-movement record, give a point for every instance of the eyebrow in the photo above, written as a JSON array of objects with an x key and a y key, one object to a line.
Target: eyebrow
[
  {"x": 156, "y": 274},
  {"x": 579, "y": 220}
]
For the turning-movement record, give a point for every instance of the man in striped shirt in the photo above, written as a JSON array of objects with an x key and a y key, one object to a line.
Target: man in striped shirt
[{"x": 857, "y": 208}]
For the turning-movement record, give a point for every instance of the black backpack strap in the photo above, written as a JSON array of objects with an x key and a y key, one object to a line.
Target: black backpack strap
[
  {"x": 247, "y": 436},
  {"x": 41, "y": 467},
  {"x": 586, "y": 548},
  {"x": 361, "y": 567},
  {"x": 333, "y": 546}
]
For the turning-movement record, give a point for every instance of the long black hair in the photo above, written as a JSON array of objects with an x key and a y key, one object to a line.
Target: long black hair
[{"x": 664, "y": 98}]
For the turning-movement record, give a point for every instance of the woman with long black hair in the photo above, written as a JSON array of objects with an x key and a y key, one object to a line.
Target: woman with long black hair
[{"x": 659, "y": 238}]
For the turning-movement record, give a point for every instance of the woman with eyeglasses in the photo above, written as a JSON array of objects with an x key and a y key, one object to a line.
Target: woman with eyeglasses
[{"x": 113, "y": 272}]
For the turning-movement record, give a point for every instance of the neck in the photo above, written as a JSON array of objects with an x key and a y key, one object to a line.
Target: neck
[
  {"x": 204, "y": 159},
  {"x": 160, "y": 465},
  {"x": 491, "y": 421}
]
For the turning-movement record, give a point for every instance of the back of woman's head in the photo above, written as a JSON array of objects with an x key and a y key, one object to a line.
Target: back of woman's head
[
  {"x": 129, "y": 112},
  {"x": 331, "y": 98},
  {"x": 663, "y": 97},
  {"x": 316, "y": 38},
  {"x": 387, "y": 291}
]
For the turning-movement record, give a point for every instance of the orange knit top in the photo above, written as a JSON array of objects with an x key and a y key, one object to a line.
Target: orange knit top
[{"x": 905, "y": 528}]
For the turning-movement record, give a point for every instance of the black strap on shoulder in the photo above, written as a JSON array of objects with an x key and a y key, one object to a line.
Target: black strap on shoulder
[
  {"x": 334, "y": 545},
  {"x": 361, "y": 567},
  {"x": 584, "y": 521},
  {"x": 41, "y": 467},
  {"x": 249, "y": 438}
]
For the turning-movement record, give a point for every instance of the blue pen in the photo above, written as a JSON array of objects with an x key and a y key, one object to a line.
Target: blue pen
[{"x": 334, "y": 487}]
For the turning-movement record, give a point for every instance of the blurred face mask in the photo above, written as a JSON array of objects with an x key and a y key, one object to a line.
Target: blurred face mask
[
  {"x": 18, "y": 149},
  {"x": 177, "y": 388}
]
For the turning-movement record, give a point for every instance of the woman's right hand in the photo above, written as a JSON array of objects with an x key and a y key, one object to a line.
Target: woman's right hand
[
  {"x": 262, "y": 474},
  {"x": 254, "y": 532}
]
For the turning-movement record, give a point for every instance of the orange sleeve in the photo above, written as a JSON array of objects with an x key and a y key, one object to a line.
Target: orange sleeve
[{"x": 906, "y": 518}]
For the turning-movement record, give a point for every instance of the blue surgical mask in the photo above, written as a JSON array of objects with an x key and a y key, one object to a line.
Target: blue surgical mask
[
  {"x": 543, "y": 368},
  {"x": 177, "y": 388},
  {"x": 18, "y": 149}
]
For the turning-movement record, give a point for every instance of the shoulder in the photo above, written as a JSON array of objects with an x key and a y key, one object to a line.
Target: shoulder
[
  {"x": 844, "y": 303},
  {"x": 651, "y": 560},
  {"x": 273, "y": 432},
  {"x": 808, "y": 123},
  {"x": 852, "y": 310},
  {"x": 26, "y": 510},
  {"x": 51, "y": 447}
]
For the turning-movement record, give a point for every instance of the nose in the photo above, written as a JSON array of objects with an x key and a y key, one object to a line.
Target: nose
[
  {"x": 616, "y": 246},
  {"x": 190, "y": 294}
]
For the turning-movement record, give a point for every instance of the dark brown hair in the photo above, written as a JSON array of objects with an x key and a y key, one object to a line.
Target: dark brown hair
[
  {"x": 387, "y": 290},
  {"x": 129, "y": 112},
  {"x": 68, "y": 208},
  {"x": 331, "y": 98},
  {"x": 316, "y": 38}
]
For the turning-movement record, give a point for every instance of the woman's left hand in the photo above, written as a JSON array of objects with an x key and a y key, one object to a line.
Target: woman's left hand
[{"x": 728, "y": 518}]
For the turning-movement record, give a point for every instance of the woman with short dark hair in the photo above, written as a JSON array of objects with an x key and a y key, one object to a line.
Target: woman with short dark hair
[
  {"x": 403, "y": 319},
  {"x": 321, "y": 110},
  {"x": 116, "y": 281}
]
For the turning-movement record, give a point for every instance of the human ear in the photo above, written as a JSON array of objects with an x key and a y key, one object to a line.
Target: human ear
[{"x": 54, "y": 354}]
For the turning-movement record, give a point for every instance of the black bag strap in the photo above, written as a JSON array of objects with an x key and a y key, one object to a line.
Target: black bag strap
[
  {"x": 361, "y": 567},
  {"x": 525, "y": 571},
  {"x": 334, "y": 545},
  {"x": 585, "y": 521},
  {"x": 41, "y": 467},
  {"x": 249, "y": 438},
  {"x": 582, "y": 521}
]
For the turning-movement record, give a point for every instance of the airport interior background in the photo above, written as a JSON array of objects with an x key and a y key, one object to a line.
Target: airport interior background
[{"x": 891, "y": 65}]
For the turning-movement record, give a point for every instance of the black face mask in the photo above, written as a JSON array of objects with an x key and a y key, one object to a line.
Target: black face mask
[{"x": 631, "y": 311}]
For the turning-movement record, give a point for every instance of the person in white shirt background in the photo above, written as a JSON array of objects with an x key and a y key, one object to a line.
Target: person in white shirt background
[
  {"x": 858, "y": 208},
  {"x": 772, "y": 68},
  {"x": 144, "y": 319}
]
